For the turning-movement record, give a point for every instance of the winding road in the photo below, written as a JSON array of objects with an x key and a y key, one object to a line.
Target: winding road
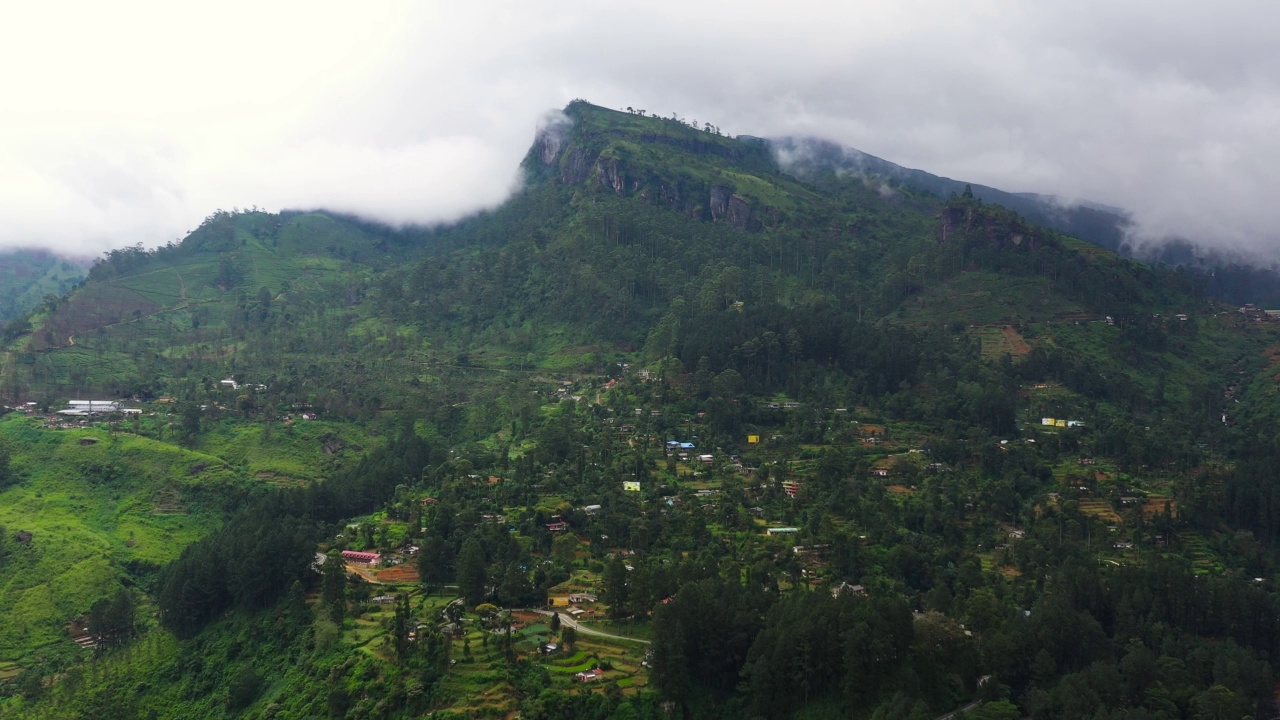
[{"x": 570, "y": 622}]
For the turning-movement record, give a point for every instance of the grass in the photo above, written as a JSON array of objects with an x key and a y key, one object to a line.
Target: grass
[
  {"x": 101, "y": 514},
  {"x": 94, "y": 512}
]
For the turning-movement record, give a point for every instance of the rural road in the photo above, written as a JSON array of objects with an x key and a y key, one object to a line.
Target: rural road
[
  {"x": 570, "y": 622},
  {"x": 957, "y": 711},
  {"x": 961, "y": 710}
]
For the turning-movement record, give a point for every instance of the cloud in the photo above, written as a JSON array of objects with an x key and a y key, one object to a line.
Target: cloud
[{"x": 130, "y": 122}]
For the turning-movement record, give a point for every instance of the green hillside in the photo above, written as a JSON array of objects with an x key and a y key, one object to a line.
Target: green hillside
[
  {"x": 869, "y": 513},
  {"x": 30, "y": 277},
  {"x": 105, "y": 508}
]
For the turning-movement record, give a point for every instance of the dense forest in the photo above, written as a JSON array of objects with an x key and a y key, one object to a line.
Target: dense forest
[{"x": 671, "y": 433}]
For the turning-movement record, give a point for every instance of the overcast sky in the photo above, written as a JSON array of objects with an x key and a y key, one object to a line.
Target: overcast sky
[{"x": 129, "y": 122}]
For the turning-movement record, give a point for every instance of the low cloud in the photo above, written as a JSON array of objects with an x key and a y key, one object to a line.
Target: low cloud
[{"x": 130, "y": 123}]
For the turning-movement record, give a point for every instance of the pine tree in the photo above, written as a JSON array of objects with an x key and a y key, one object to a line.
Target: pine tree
[
  {"x": 333, "y": 586},
  {"x": 472, "y": 574},
  {"x": 615, "y": 588}
]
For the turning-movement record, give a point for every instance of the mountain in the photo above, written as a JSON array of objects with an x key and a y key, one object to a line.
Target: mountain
[
  {"x": 31, "y": 277},
  {"x": 623, "y": 216},
  {"x": 1232, "y": 277},
  {"x": 816, "y": 441},
  {"x": 811, "y": 158}
]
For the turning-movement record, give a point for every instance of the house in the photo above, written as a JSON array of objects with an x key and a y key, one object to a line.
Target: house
[
  {"x": 630, "y": 486},
  {"x": 550, "y": 649},
  {"x": 558, "y": 526},
  {"x": 583, "y": 597},
  {"x": 589, "y": 675},
  {"x": 781, "y": 530},
  {"x": 845, "y": 588},
  {"x": 367, "y": 558},
  {"x": 705, "y": 459},
  {"x": 90, "y": 407},
  {"x": 674, "y": 447},
  {"x": 576, "y": 611},
  {"x": 880, "y": 472},
  {"x": 591, "y": 509},
  {"x": 791, "y": 487},
  {"x": 229, "y": 384}
]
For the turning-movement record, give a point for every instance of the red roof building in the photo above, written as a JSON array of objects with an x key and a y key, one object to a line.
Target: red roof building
[{"x": 369, "y": 558}]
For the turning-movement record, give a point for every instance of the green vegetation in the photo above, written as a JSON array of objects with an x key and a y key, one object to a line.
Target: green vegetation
[
  {"x": 34, "y": 278},
  {"x": 871, "y": 518}
]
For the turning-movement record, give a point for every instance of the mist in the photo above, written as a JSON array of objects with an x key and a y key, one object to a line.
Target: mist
[{"x": 130, "y": 123}]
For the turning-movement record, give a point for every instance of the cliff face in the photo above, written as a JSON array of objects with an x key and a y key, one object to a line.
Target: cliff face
[
  {"x": 575, "y": 157},
  {"x": 975, "y": 223}
]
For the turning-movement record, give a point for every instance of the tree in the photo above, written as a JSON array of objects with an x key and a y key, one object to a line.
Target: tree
[
  {"x": 112, "y": 621},
  {"x": 244, "y": 689},
  {"x": 1218, "y": 703},
  {"x": 400, "y": 627},
  {"x": 333, "y": 586},
  {"x": 297, "y": 614},
  {"x": 569, "y": 636},
  {"x": 615, "y": 588},
  {"x": 190, "y": 423},
  {"x": 670, "y": 667},
  {"x": 7, "y": 476},
  {"x": 516, "y": 588},
  {"x": 472, "y": 574},
  {"x": 555, "y": 622},
  {"x": 433, "y": 562}
]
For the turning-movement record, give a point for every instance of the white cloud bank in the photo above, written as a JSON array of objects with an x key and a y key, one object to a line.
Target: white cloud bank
[{"x": 129, "y": 122}]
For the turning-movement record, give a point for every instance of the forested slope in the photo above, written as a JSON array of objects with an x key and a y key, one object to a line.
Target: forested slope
[{"x": 871, "y": 514}]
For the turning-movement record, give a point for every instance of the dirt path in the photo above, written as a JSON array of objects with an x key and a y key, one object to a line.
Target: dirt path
[{"x": 364, "y": 573}]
